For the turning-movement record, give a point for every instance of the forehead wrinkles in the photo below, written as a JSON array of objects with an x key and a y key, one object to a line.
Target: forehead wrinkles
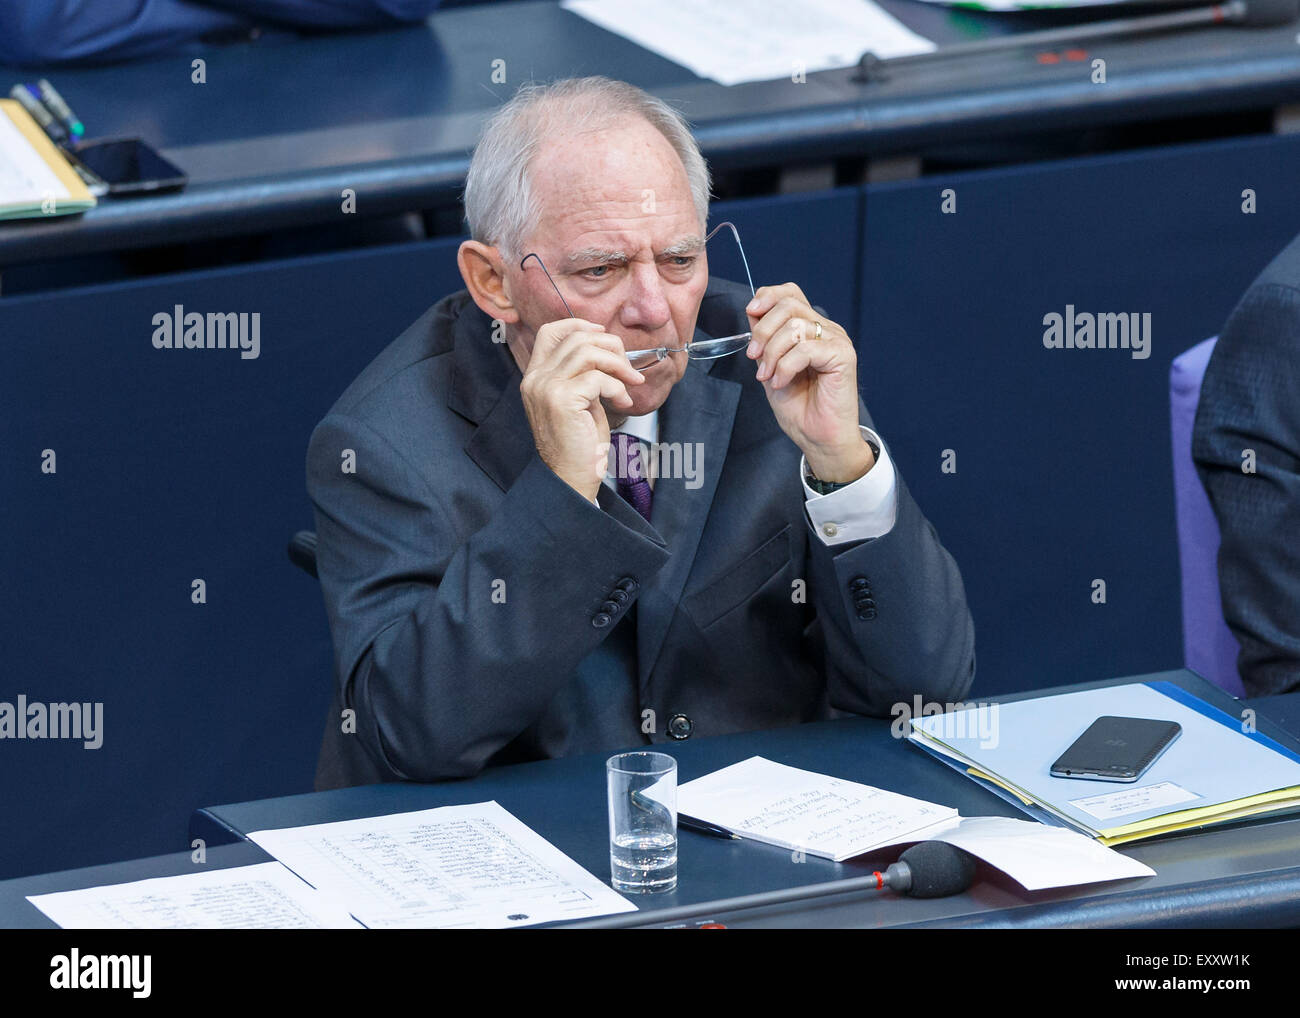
[{"x": 624, "y": 173}]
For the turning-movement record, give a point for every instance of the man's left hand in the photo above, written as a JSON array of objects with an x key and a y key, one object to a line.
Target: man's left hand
[{"x": 809, "y": 370}]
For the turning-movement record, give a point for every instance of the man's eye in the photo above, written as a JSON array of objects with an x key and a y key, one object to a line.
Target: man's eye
[
  {"x": 596, "y": 272},
  {"x": 682, "y": 261}
]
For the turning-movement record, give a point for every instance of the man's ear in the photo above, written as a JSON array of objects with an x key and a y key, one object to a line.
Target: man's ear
[{"x": 481, "y": 268}]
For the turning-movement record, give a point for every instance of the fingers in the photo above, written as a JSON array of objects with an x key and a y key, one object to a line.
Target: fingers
[
  {"x": 767, "y": 297},
  {"x": 791, "y": 333},
  {"x": 552, "y": 334},
  {"x": 592, "y": 386},
  {"x": 786, "y": 325},
  {"x": 582, "y": 351},
  {"x": 833, "y": 354},
  {"x": 796, "y": 357},
  {"x": 783, "y": 310},
  {"x": 578, "y": 368}
]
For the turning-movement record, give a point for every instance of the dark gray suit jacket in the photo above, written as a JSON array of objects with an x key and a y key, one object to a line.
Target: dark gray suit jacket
[
  {"x": 450, "y": 504},
  {"x": 1250, "y": 399}
]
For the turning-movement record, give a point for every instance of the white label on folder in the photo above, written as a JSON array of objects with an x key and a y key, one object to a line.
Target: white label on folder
[{"x": 1134, "y": 800}]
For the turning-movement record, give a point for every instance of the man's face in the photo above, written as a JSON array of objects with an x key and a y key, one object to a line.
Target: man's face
[{"x": 619, "y": 233}]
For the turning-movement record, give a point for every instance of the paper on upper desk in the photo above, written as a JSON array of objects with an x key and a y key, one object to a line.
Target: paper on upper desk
[
  {"x": 472, "y": 866},
  {"x": 791, "y": 808},
  {"x": 735, "y": 41},
  {"x": 1029, "y": 5},
  {"x": 1035, "y": 855},
  {"x": 262, "y": 896}
]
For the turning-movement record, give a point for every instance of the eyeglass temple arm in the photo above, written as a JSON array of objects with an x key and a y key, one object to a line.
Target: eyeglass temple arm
[
  {"x": 534, "y": 254},
  {"x": 743, "y": 259}
]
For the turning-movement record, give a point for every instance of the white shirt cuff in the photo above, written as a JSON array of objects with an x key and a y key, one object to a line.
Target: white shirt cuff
[{"x": 859, "y": 511}]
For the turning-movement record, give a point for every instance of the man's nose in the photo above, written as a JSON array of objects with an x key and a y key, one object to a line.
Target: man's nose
[{"x": 646, "y": 306}]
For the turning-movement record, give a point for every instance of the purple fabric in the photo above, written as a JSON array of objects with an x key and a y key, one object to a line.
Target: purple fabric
[
  {"x": 1209, "y": 648},
  {"x": 629, "y": 473}
]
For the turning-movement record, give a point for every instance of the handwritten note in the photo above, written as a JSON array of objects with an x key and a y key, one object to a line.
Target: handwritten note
[{"x": 800, "y": 810}]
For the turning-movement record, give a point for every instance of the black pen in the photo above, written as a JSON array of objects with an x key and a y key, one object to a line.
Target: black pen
[{"x": 699, "y": 826}]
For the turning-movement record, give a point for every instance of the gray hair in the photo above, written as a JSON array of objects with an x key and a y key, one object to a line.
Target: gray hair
[{"x": 500, "y": 207}]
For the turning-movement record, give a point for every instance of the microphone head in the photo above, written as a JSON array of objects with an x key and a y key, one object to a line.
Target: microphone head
[
  {"x": 938, "y": 869},
  {"x": 1266, "y": 13}
]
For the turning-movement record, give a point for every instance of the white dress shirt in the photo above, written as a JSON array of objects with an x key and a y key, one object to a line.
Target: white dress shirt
[{"x": 864, "y": 509}]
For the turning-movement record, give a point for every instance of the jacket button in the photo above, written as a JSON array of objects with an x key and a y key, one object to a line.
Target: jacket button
[
  {"x": 610, "y": 607},
  {"x": 600, "y": 620},
  {"x": 680, "y": 726},
  {"x": 867, "y": 614},
  {"x": 619, "y": 596},
  {"x": 864, "y": 602},
  {"x": 859, "y": 583},
  {"x": 628, "y": 584}
]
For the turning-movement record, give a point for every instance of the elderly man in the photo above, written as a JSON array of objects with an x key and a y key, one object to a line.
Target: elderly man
[{"x": 501, "y": 588}]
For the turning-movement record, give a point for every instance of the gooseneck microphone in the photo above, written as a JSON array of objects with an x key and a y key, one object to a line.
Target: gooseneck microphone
[
  {"x": 932, "y": 869},
  {"x": 1244, "y": 13}
]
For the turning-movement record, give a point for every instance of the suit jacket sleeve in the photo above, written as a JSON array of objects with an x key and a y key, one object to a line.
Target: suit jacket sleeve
[
  {"x": 446, "y": 647},
  {"x": 1250, "y": 400},
  {"x": 918, "y": 637}
]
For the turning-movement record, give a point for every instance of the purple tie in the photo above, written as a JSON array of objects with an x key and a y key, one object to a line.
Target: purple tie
[{"x": 629, "y": 473}]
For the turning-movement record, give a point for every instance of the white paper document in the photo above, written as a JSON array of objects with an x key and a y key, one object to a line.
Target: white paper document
[
  {"x": 735, "y": 41},
  {"x": 820, "y": 815},
  {"x": 1027, "y": 5},
  {"x": 472, "y": 866},
  {"x": 1127, "y": 801},
  {"x": 24, "y": 176},
  {"x": 262, "y": 896},
  {"x": 1035, "y": 855}
]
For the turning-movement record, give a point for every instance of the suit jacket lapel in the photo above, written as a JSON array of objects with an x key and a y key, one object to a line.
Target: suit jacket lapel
[
  {"x": 699, "y": 412},
  {"x": 485, "y": 389}
]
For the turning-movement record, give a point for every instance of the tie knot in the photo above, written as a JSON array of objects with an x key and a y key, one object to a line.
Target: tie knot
[{"x": 626, "y": 450}]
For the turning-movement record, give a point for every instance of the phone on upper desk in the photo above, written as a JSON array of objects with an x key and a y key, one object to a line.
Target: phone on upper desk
[
  {"x": 1116, "y": 749},
  {"x": 129, "y": 166}
]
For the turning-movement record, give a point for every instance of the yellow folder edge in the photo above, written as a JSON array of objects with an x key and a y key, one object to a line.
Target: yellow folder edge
[
  {"x": 974, "y": 772},
  {"x": 1237, "y": 814},
  {"x": 1218, "y": 811},
  {"x": 48, "y": 152},
  {"x": 1167, "y": 823}
]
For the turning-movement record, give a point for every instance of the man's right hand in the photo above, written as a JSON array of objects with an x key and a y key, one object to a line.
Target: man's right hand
[{"x": 574, "y": 365}]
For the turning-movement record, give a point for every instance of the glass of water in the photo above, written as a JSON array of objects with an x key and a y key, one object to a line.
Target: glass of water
[{"x": 642, "y": 821}]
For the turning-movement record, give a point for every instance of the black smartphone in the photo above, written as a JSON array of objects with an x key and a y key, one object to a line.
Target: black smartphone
[
  {"x": 1116, "y": 749},
  {"x": 130, "y": 166}
]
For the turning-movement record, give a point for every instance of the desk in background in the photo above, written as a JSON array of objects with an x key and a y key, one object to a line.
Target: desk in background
[{"x": 394, "y": 115}]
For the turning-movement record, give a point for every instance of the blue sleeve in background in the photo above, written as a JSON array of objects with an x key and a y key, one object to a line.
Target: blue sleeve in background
[
  {"x": 62, "y": 31},
  {"x": 69, "y": 31},
  {"x": 330, "y": 13}
]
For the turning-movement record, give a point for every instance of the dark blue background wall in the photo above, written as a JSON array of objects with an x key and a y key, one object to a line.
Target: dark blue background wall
[{"x": 1063, "y": 456}]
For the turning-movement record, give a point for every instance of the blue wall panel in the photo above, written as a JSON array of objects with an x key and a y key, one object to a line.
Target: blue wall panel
[
  {"x": 1063, "y": 456},
  {"x": 173, "y": 465}
]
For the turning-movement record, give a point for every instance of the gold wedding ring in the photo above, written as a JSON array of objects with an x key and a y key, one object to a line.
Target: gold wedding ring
[{"x": 818, "y": 333}]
